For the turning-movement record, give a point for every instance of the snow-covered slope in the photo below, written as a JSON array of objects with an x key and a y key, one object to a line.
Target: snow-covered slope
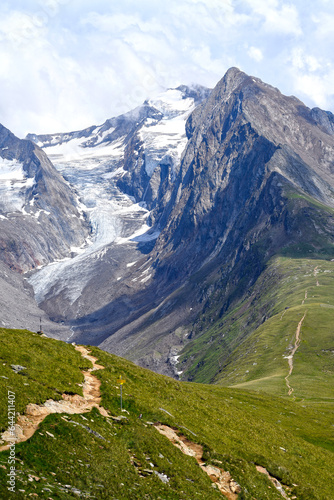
[
  {"x": 115, "y": 169},
  {"x": 39, "y": 216}
]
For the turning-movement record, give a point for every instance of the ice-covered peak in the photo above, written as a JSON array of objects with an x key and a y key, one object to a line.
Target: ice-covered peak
[{"x": 172, "y": 103}]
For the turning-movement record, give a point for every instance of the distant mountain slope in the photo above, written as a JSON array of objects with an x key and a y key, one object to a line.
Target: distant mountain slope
[
  {"x": 253, "y": 344},
  {"x": 18, "y": 307},
  {"x": 40, "y": 219},
  {"x": 262, "y": 444},
  {"x": 121, "y": 170}
]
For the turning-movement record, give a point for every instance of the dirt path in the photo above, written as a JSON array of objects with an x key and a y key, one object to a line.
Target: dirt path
[
  {"x": 283, "y": 313},
  {"x": 28, "y": 423},
  {"x": 315, "y": 272},
  {"x": 304, "y": 298},
  {"x": 226, "y": 485},
  {"x": 293, "y": 352},
  {"x": 275, "y": 482}
]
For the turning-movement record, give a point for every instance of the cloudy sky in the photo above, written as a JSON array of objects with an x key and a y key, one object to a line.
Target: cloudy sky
[{"x": 69, "y": 64}]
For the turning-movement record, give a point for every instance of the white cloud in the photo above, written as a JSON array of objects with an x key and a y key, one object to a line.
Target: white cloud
[
  {"x": 314, "y": 87},
  {"x": 66, "y": 64},
  {"x": 277, "y": 18},
  {"x": 303, "y": 61},
  {"x": 255, "y": 53}
]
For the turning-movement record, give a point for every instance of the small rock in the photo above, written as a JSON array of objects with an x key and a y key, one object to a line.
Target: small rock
[
  {"x": 147, "y": 471},
  {"x": 76, "y": 491},
  {"x": 31, "y": 478},
  {"x": 119, "y": 419},
  {"x": 235, "y": 487},
  {"x": 162, "y": 477},
  {"x": 18, "y": 368}
]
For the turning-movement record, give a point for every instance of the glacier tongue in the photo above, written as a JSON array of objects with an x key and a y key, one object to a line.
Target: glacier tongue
[{"x": 109, "y": 212}]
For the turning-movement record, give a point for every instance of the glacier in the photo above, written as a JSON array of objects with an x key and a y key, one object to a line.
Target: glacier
[{"x": 92, "y": 162}]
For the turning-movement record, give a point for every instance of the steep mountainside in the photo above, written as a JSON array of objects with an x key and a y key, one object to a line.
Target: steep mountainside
[
  {"x": 256, "y": 179},
  {"x": 121, "y": 170},
  {"x": 39, "y": 216},
  {"x": 40, "y": 221}
]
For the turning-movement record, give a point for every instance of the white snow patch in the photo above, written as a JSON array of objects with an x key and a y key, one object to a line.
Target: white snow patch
[
  {"x": 146, "y": 278},
  {"x": 166, "y": 136},
  {"x": 13, "y": 185},
  {"x": 130, "y": 264}
]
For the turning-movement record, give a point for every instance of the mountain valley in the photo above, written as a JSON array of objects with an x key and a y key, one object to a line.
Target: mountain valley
[{"x": 192, "y": 237}]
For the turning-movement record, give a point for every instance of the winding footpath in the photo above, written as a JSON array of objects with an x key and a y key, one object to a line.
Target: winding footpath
[
  {"x": 222, "y": 479},
  {"x": 28, "y": 423},
  {"x": 315, "y": 272},
  {"x": 291, "y": 355},
  {"x": 297, "y": 340}
]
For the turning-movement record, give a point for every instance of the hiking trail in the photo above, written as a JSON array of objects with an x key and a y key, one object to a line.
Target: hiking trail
[
  {"x": 27, "y": 424},
  {"x": 315, "y": 273},
  {"x": 292, "y": 353},
  {"x": 226, "y": 485}
]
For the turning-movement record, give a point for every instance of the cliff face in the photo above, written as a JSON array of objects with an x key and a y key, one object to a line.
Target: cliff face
[
  {"x": 40, "y": 217},
  {"x": 246, "y": 142}
]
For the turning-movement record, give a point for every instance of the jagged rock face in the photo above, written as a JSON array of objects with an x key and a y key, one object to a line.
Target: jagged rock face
[
  {"x": 246, "y": 142},
  {"x": 120, "y": 170},
  {"x": 39, "y": 216}
]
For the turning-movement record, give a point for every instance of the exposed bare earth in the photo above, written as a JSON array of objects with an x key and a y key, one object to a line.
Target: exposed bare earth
[
  {"x": 226, "y": 485},
  {"x": 293, "y": 352},
  {"x": 28, "y": 423}
]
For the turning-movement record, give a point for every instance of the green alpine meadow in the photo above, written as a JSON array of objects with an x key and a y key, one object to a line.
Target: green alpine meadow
[{"x": 122, "y": 455}]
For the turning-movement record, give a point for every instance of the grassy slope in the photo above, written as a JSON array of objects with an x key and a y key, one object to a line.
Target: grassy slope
[
  {"x": 259, "y": 362},
  {"x": 51, "y": 369},
  {"x": 239, "y": 428},
  {"x": 235, "y": 350},
  {"x": 308, "y": 239}
]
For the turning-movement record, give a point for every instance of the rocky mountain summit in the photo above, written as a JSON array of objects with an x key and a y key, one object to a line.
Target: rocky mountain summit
[{"x": 254, "y": 161}]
